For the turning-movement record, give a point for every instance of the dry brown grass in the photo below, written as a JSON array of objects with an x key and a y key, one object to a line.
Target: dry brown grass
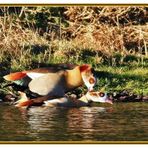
[
  {"x": 106, "y": 30},
  {"x": 110, "y": 29},
  {"x": 16, "y": 43}
]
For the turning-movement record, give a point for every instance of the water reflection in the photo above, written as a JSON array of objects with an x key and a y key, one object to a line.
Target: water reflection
[
  {"x": 83, "y": 118},
  {"x": 126, "y": 121},
  {"x": 82, "y": 121},
  {"x": 12, "y": 126},
  {"x": 45, "y": 123},
  {"x": 63, "y": 121}
]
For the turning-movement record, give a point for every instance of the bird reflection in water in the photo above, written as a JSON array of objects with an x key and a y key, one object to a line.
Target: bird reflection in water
[
  {"x": 81, "y": 121},
  {"x": 57, "y": 123}
]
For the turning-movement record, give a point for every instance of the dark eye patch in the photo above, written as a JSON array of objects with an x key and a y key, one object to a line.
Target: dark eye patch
[
  {"x": 91, "y": 80},
  {"x": 101, "y": 94}
]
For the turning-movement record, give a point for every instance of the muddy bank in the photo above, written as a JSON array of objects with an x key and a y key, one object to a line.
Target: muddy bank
[{"x": 126, "y": 96}]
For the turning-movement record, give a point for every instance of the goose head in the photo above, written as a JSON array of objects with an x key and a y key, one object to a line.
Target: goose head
[
  {"x": 98, "y": 97},
  {"x": 88, "y": 77}
]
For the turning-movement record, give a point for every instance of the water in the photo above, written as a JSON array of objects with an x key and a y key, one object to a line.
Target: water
[{"x": 120, "y": 122}]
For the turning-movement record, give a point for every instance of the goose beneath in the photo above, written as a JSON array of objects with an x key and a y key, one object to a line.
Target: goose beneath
[
  {"x": 66, "y": 101},
  {"x": 85, "y": 100}
]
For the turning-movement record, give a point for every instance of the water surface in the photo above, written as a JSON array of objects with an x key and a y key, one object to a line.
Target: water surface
[{"x": 120, "y": 122}]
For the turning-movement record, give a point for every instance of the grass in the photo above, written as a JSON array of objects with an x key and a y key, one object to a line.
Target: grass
[
  {"x": 111, "y": 79},
  {"x": 116, "y": 79}
]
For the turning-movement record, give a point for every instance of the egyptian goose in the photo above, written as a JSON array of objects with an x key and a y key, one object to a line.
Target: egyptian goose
[
  {"x": 87, "y": 99},
  {"x": 53, "y": 83}
]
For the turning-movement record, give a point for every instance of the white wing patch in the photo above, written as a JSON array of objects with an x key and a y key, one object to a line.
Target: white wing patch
[
  {"x": 56, "y": 101},
  {"x": 34, "y": 75}
]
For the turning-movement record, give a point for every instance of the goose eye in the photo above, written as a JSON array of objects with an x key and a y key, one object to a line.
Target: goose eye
[{"x": 101, "y": 94}]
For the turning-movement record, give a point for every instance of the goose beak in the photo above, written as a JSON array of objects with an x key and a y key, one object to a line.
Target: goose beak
[{"x": 109, "y": 101}]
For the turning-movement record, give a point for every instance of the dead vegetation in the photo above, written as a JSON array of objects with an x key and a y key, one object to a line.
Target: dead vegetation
[
  {"x": 110, "y": 29},
  {"x": 47, "y": 34}
]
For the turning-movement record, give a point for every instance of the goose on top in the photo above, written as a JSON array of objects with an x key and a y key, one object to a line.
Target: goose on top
[{"x": 51, "y": 82}]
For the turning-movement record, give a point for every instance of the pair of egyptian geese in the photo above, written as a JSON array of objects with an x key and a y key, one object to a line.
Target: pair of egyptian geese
[{"x": 52, "y": 83}]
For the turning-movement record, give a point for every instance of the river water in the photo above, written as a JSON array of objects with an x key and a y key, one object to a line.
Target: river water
[{"x": 119, "y": 122}]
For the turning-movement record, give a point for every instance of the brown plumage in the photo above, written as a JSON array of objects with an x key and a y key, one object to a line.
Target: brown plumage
[{"x": 53, "y": 81}]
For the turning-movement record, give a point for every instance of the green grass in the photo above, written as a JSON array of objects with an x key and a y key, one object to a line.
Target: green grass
[
  {"x": 115, "y": 79},
  {"x": 110, "y": 78}
]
